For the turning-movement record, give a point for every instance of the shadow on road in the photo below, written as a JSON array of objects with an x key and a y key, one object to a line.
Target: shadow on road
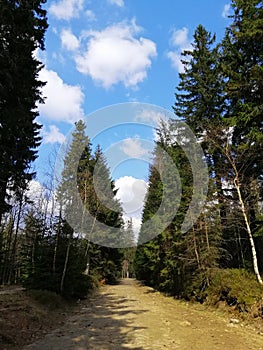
[{"x": 103, "y": 323}]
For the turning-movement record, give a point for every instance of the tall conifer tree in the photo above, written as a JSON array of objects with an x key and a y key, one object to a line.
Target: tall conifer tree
[
  {"x": 242, "y": 62},
  {"x": 200, "y": 102},
  {"x": 22, "y": 27}
]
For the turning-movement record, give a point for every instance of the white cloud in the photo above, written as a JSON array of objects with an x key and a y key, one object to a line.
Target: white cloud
[
  {"x": 119, "y": 3},
  {"x": 66, "y": 9},
  {"x": 42, "y": 198},
  {"x": 69, "y": 40},
  {"x": 180, "y": 37},
  {"x": 180, "y": 43},
  {"x": 114, "y": 55},
  {"x": 175, "y": 58},
  {"x": 133, "y": 148},
  {"x": 53, "y": 135},
  {"x": 136, "y": 224},
  {"x": 150, "y": 116},
  {"x": 35, "y": 191},
  {"x": 226, "y": 11},
  {"x": 131, "y": 193},
  {"x": 63, "y": 102},
  {"x": 153, "y": 118}
]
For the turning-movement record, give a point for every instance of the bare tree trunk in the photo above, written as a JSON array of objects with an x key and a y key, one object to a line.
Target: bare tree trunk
[
  {"x": 206, "y": 234},
  {"x": 8, "y": 249},
  {"x": 195, "y": 245},
  {"x": 195, "y": 249},
  {"x": 33, "y": 253},
  {"x": 65, "y": 266},
  {"x": 87, "y": 254},
  {"x": 1, "y": 251},
  {"x": 56, "y": 241},
  {"x": 243, "y": 210},
  {"x": 13, "y": 255},
  {"x": 251, "y": 240},
  {"x": 87, "y": 270},
  {"x": 241, "y": 250}
]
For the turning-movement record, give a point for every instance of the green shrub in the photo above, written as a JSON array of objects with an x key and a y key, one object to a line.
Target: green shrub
[
  {"x": 235, "y": 287},
  {"x": 77, "y": 286},
  {"x": 43, "y": 281},
  {"x": 46, "y": 298}
]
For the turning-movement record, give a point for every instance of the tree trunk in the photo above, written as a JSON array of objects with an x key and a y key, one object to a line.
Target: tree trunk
[
  {"x": 56, "y": 241},
  {"x": 251, "y": 240},
  {"x": 243, "y": 210},
  {"x": 241, "y": 250},
  {"x": 195, "y": 249},
  {"x": 13, "y": 255},
  {"x": 206, "y": 234},
  {"x": 65, "y": 266},
  {"x": 33, "y": 253},
  {"x": 7, "y": 256},
  {"x": 87, "y": 255}
]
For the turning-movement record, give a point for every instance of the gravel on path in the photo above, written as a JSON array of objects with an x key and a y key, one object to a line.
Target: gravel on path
[{"x": 132, "y": 316}]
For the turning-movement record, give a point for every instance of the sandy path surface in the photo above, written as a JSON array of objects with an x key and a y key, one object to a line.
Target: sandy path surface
[{"x": 131, "y": 316}]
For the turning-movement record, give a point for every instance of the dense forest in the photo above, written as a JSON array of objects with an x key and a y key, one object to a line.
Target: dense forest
[
  {"x": 38, "y": 247},
  {"x": 219, "y": 96}
]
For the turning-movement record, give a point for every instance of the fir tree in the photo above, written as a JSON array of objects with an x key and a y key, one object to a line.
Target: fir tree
[
  {"x": 242, "y": 65},
  {"x": 22, "y": 28},
  {"x": 200, "y": 102}
]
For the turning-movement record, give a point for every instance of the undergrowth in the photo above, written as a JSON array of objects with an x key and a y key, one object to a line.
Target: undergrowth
[
  {"x": 236, "y": 288},
  {"x": 51, "y": 300}
]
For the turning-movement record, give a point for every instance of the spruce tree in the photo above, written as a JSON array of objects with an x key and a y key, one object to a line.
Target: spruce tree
[
  {"x": 174, "y": 259},
  {"x": 200, "y": 102},
  {"x": 156, "y": 261},
  {"x": 242, "y": 50},
  {"x": 242, "y": 63},
  {"x": 87, "y": 195},
  {"x": 107, "y": 221},
  {"x": 22, "y": 27}
]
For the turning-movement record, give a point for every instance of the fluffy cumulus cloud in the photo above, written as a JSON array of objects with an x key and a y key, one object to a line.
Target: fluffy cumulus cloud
[
  {"x": 151, "y": 116},
  {"x": 180, "y": 37},
  {"x": 53, "y": 135},
  {"x": 69, "y": 40},
  {"x": 63, "y": 102},
  {"x": 154, "y": 118},
  {"x": 131, "y": 193},
  {"x": 119, "y": 3},
  {"x": 179, "y": 42},
  {"x": 117, "y": 55},
  {"x": 226, "y": 11},
  {"x": 133, "y": 148},
  {"x": 66, "y": 9}
]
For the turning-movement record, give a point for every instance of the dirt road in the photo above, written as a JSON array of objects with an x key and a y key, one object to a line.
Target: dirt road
[{"x": 130, "y": 316}]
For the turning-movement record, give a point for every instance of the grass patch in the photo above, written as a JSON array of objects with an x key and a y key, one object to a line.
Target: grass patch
[
  {"x": 237, "y": 288},
  {"x": 51, "y": 300}
]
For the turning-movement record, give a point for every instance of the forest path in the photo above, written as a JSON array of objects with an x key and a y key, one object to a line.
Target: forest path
[{"x": 131, "y": 316}]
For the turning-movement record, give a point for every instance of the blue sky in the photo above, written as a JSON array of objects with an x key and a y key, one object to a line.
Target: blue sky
[{"x": 106, "y": 52}]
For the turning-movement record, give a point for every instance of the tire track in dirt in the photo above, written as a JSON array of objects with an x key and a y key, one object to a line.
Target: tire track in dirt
[{"x": 131, "y": 316}]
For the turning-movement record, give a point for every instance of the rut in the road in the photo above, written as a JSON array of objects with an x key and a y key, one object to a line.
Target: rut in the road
[{"x": 131, "y": 316}]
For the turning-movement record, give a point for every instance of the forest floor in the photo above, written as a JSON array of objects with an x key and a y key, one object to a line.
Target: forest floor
[
  {"x": 132, "y": 316},
  {"x": 23, "y": 319}
]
